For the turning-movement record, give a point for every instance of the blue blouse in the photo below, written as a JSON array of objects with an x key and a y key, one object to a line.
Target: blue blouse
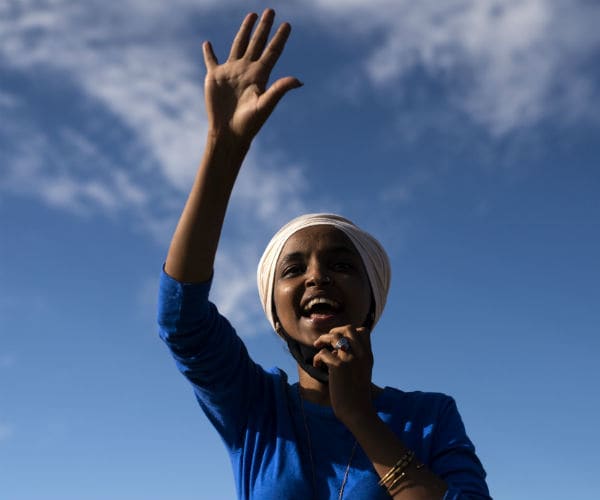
[{"x": 263, "y": 423}]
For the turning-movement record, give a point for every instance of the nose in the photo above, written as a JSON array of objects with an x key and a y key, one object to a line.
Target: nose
[{"x": 317, "y": 276}]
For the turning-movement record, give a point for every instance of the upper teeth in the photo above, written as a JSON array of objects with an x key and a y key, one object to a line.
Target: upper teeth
[{"x": 320, "y": 300}]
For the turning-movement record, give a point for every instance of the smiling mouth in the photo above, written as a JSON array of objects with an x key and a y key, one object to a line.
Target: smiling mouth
[
  {"x": 322, "y": 313},
  {"x": 321, "y": 307}
]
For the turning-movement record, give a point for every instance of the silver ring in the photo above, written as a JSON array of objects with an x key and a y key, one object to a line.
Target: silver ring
[{"x": 342, "y": 344}]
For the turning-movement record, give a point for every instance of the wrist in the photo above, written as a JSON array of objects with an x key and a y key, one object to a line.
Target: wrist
[
  {"x": 222, "y": 138},
  {"x": 226, "y": 152}
]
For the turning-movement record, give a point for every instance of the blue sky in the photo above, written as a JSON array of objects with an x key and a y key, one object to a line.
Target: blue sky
[{"x": 463, "y": 134}]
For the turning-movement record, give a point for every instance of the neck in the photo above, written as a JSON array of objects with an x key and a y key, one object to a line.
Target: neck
[{"x": 312, "y": 390}]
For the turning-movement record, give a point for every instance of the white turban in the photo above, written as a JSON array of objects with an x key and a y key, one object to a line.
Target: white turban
[{"x": 373, "y": 255}]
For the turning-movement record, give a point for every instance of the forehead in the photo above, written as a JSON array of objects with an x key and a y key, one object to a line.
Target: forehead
[{"x": 320, "y": 239}]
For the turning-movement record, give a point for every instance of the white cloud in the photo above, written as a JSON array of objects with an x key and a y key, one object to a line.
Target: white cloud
[
  {"x": 66, "y": 182},
  {"x": 125, "y": 72},
  {"x": 157, "y": 94},
  {"x": 271, "y": 187},
  {"x": 267, "y": 194},
  {"x": 150, "y": 86},
  {"x": 128, "y": 61},
  {"x": 235, "y": 287},
  {"x": 508, "y": 57},
  {"x": 123, "y": 68},
  {"x": 509, "y": 63}
]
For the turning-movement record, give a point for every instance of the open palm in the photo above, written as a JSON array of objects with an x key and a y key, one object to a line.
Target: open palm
[{"x": 237, "y": 99}]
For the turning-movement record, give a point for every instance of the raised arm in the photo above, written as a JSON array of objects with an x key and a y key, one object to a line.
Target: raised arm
[{"x": 238, "y": 103}]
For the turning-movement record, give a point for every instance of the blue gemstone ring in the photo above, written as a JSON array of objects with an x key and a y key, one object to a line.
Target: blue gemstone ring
[{"x": 342, "y": 344}]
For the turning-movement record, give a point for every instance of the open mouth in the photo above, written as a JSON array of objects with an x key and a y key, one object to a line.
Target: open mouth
[{"x": 321, "y": 307}]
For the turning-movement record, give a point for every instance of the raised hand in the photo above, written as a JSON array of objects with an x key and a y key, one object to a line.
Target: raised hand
[{"x": 238, "y": 101}]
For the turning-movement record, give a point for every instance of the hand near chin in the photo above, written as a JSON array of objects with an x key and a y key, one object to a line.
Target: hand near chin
[{"x": 350, "y": 370}]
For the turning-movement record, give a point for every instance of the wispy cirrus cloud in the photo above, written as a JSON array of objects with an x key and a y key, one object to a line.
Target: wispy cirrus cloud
[
  {"x": 121, "y": 124},
  {"x": 475, "y": 74},
  {"x": 507, "y": 64},
  {"x": 108, "y": 113},
  {"x": 102, "y": 102},
  {"x": 103, "y": 112}
]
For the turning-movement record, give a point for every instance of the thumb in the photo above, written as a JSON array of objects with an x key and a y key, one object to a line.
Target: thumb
[{"x": 276, "y": 91}]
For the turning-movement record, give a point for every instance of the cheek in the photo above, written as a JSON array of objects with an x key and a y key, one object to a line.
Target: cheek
[
  {"x": 283, "y": 299},
  {"x": 363, "y": 295}
]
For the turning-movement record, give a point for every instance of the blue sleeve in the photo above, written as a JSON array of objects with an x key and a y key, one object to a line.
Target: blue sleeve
[
  {"x": 454, "y": 459},
  {"x": 209, "y": 354}
]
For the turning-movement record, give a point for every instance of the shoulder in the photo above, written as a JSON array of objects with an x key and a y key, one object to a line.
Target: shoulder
[
  {"x": 416, "y": 409},
  {"x": 276, "y": 385},
  {"x": 415, "y": 401},
  {"x": 277, "y": 375}
]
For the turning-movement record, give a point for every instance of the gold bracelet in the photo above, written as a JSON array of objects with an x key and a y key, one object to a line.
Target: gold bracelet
[
  {"x": 396, "y": 481},
  {"x": 396, "y": 473}
]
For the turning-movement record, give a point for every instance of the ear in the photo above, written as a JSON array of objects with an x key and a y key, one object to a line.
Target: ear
[{"x": 278, "y": 328}]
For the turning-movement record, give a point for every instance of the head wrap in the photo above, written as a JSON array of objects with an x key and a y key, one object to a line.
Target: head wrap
[{"x": 373, "y": 255}]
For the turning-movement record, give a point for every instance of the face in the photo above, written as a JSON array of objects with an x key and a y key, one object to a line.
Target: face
[{"x": 320, "y": 283}]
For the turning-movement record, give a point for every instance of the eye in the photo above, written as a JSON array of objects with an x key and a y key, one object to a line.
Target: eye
[
  {"x": 291, "y": 270},
  {"x": 342, "y": 266}
]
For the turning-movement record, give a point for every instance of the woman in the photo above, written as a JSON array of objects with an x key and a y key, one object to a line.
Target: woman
[{"x": 323, "y": 284}]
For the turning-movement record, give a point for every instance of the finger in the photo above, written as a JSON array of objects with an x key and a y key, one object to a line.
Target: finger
[
  {"x": 329, "y": 340},
  {"x": 325, "y": 358},
  {"x": 333, "y": 336},
  {"x": 356, "y": 337},
  {"x": 354, "y": 347},
  {"x": 364, "y": 337},
  {"x": 210, "y": 60},
  {"x": 276, "y": 45},
  {"x": 275, "y": 92},
  {"x": 259, "y": 38},
  {"x": 343, "y": 344},
  {"x": 240, "y": 42}
]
